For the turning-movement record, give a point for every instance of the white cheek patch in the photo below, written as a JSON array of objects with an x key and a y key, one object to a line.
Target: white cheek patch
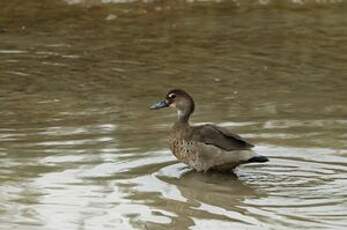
[{"x": 172, "y": 105}]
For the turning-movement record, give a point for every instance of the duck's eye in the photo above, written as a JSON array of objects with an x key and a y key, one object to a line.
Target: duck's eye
[{"x": 172, "y": 96}]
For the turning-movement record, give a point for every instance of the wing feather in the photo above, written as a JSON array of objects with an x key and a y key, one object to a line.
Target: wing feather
[{"x": 220, "y": 137}]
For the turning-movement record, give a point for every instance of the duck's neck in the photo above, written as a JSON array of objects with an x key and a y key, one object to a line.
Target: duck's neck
[
  {"x": 184, "y": 112},
  {"x": 183, "y": 116}
]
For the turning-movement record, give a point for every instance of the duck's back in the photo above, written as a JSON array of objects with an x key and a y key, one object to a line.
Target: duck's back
[{"x": 219, "y": 137}]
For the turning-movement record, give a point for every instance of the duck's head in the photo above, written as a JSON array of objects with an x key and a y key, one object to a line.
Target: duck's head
[{"x": 180, "y": 100}]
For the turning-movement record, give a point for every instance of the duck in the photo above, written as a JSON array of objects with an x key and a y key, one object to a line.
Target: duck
[{"x": 204, "y": 147}]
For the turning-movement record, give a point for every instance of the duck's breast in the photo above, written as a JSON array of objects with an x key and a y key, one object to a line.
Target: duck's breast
[{"x": 183, "y": 150}]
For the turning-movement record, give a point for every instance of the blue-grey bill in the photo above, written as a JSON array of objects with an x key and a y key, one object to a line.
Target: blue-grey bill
[{"x": 159, "y": 105}]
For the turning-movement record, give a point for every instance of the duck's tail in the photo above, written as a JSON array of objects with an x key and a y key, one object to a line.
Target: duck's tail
[{"x": 258, "y": 159}]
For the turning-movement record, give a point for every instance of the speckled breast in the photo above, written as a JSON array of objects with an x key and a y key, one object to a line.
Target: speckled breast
[{"x": 183, "y": 150}]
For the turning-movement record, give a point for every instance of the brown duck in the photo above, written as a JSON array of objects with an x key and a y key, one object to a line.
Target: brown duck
[{"x": 204, "y": 147}]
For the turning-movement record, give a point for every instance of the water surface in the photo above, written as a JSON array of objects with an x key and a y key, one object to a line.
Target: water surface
[{"x": 79, "y": 148}]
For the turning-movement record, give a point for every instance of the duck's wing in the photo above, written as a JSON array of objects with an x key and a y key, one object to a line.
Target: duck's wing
[{"x": 220, "y": 137}]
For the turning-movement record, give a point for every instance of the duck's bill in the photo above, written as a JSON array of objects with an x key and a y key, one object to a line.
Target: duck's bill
[{"x": 160, "y": 105}]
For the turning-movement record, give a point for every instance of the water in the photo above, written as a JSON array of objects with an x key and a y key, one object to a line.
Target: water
[{"x": 79, "y": 148}]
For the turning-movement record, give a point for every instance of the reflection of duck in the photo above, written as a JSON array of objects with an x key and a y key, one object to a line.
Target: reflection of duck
[
  {"x": 213, "y": 182},
  {"x": 210, "y": 196},
  {"x": 204, "y": 147}
]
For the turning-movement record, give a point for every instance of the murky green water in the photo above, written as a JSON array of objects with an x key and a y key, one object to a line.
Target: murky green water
[{"x": 79, "y": 148}]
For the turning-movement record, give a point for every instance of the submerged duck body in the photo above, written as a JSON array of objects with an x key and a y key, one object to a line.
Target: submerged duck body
[{"x": 204, "y": 147}]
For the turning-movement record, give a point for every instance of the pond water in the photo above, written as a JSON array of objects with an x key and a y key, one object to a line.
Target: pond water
[{"x": 79, "y": 148}]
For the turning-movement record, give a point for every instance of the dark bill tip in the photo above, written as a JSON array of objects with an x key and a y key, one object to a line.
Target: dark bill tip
[{"x": 159, "y": 105}]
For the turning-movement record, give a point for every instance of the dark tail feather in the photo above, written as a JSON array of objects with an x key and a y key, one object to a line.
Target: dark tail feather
[{"x": 258, "y": 159}]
